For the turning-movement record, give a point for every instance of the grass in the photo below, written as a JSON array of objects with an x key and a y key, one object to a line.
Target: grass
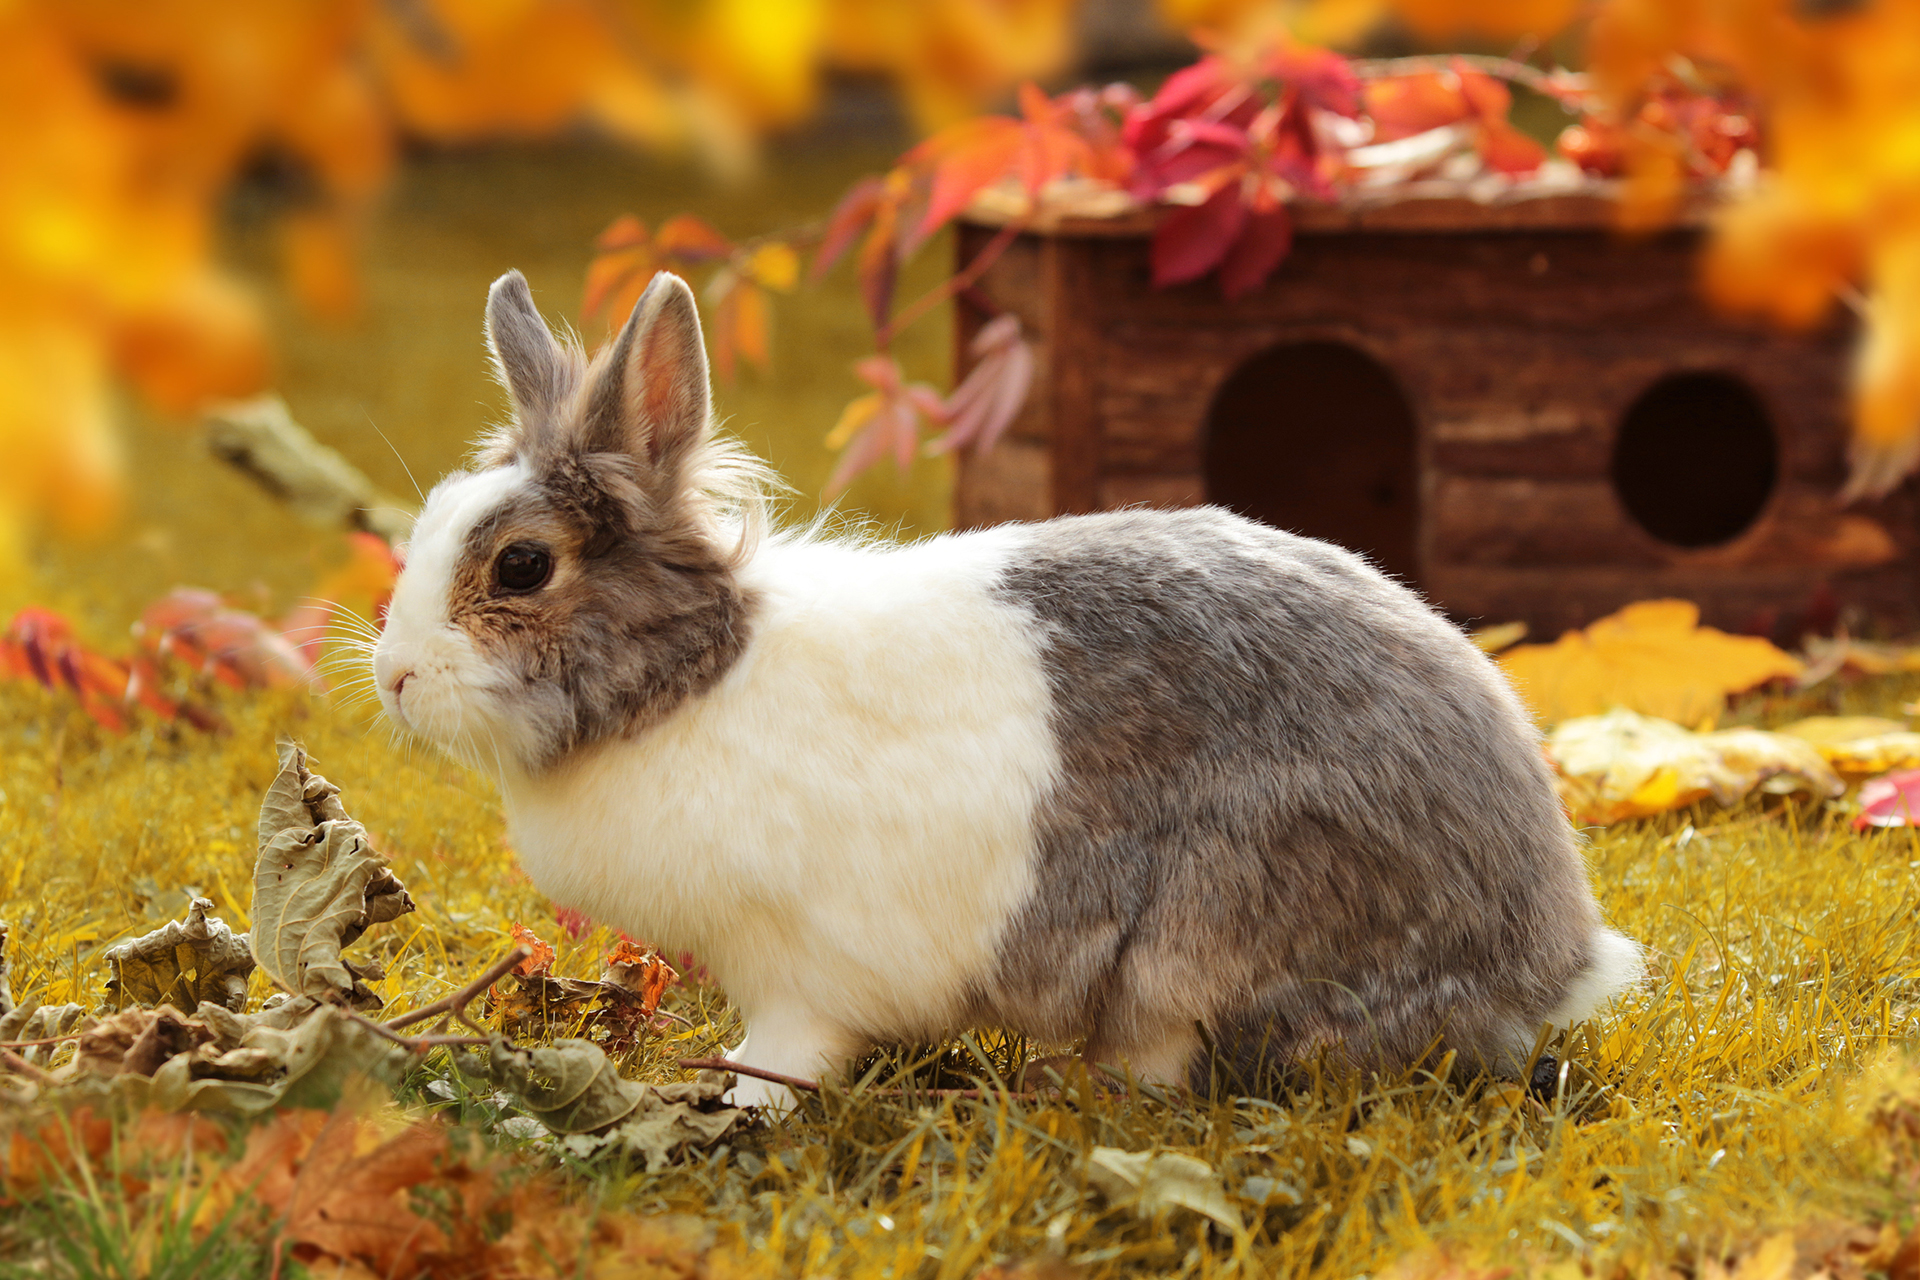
[{"x": 1728, "y": 1098}]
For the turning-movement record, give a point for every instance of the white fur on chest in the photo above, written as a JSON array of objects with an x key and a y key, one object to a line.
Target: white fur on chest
[{"x": 844, "y": 822}]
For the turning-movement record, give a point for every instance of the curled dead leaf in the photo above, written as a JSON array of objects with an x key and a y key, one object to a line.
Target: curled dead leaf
[
  {"x": 318, "y": 884},
  {"x": 573, "y": 1090},
  {"x": 1150, "y": 1182},
  {"x": 182, "y": 963},
  {"x": 300, "y": 1053},
  {"x": 35, "y": 1021}
]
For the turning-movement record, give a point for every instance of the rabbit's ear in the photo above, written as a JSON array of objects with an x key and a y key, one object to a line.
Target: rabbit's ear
[
  {"x": 652, "y": 399},
  {"x": 530, "y": 362}
]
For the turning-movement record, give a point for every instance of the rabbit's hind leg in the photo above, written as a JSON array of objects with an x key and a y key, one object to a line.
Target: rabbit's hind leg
[{"x": 1160, "y": 1052}]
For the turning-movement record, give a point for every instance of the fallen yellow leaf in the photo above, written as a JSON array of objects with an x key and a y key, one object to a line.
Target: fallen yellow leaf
[
  {"x": 1623, "y": 765},
  {"x": 1652, "y": 657}
]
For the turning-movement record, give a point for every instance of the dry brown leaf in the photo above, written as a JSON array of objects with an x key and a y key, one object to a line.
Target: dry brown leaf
[
  {"x": 614, "y": 1011},
  {"x": 137, "y": 1041},
  {"x": 1622, "y": 765},
  {"x": 34, "y": 1021},
  {"x": 572, "y": 1088},
  {"x": 334, "y": 1189},
  {"x": 1652, "y": 657},
  {"x": 317, "y": 886},
  {"x": 182, "y": 963},
  {"x": 220, "y": 1061},
  {"x": 1149, "y": 1182}
]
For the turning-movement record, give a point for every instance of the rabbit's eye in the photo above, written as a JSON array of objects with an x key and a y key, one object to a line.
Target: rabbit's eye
[{"x": 524, "y": 566}]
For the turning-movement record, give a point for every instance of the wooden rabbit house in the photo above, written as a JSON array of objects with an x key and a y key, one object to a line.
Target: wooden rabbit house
[{"x": 1508, "y": 406}]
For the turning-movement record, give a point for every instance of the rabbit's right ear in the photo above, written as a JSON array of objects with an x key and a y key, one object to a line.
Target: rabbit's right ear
[{"x": 532, "y": 365}]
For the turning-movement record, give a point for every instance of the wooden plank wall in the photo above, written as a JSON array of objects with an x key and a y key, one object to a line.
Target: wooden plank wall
[{"x": 1520, "y": 353}]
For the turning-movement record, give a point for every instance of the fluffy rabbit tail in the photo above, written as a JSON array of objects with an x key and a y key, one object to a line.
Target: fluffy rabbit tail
[{"x": 1615, "y": 963}]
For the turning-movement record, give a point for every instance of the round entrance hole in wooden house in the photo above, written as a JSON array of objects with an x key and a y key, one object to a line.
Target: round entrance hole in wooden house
[
  {"x": 1317, "y": 438},
  {"x": 1696, "y": 459}
]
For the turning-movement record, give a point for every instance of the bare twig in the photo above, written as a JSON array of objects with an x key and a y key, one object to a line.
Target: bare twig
[
  {"x": 811, "y": 1086},
  {"x": 417, "y": 1044},
  {"x": 14, "y": 1062},
  {"x": 742, "y": 1069},
  {"x": 988, "y": 255},
  {"x": 457, "y": 1002},
  {"x": 35, "y": 1044}
]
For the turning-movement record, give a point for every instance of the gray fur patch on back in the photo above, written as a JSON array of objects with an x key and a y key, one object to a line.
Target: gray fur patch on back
[{"x": 1296, "y": 808}]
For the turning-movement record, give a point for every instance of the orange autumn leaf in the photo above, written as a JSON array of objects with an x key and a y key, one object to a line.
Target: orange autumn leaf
[
  {"x": 624, "y": 261},
  {"x": 1653, "y": 658},
  {"x": 1032, "y": 150},
  {"x": 539, "y": 954},
  {"x": 691, "y": 240},
  {"x": 640, "y": 971},
  {"x": 1402, "y": 106},
  {"x": 739, "y": 324}
]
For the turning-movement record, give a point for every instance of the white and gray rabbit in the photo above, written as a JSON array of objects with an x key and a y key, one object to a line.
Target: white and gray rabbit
[{"x": 1183, "y": 786}]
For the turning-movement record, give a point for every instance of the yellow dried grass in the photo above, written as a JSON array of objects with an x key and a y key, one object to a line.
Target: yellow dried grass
[{"x": 1733, "y": 1096}]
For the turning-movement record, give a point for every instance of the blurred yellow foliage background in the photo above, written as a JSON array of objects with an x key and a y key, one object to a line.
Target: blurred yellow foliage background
[{"x": 128, "y": 125}]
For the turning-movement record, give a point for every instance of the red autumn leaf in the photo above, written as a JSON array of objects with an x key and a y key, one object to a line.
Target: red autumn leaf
[
  {"x": 852, "y": 216},
  {"x": 238, "y": 648},
  {"x": 575, "y": 924},
  {"x": 1323, "y": 79},
  {"x": 624, "y": 232},
  {"x": 885, "y": 421},
  {"x": 1890, "y": 801},
  {"x": 1193, "y": 240},
  {"x": 986, "y": 402},
  {"x": 879, "y": 266},
  {"x": 1408, "y": 105},
  {"x": 143, "y": 686},
  {"x": 301, "y": 1168},
  {"x": 966, "y": 158},
  {"x": 1262, "y": 245},
  {"x": 37, "y": 635},
  {"x": 739, "y": 322},
  {"x": 1196, "y": 123}
]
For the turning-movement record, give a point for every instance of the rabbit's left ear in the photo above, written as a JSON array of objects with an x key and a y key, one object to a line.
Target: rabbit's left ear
[
  {"x": 533, "y": 366},
  {"x": 652, "y": 398}
]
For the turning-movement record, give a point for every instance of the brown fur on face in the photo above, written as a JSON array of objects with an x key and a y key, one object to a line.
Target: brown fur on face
[{"x": 641, "y": 610}]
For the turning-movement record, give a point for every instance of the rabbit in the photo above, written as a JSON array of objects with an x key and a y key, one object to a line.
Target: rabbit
[{"x": 1185, "y": 787}]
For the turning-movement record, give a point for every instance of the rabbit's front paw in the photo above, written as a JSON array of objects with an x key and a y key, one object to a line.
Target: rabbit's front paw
[{"x": 787, "y": 1046}]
